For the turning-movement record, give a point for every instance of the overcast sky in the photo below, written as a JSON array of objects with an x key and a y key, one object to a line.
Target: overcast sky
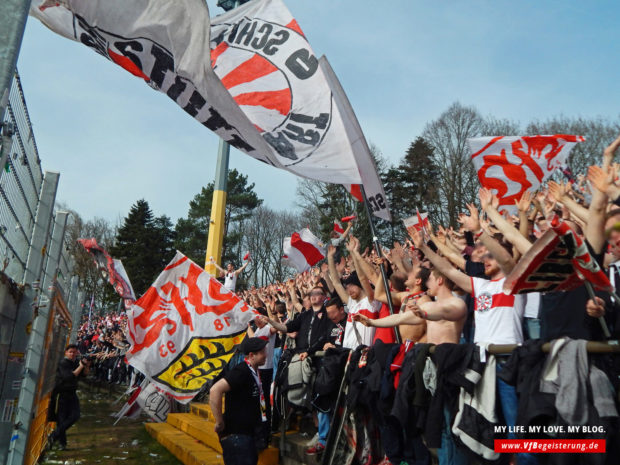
[{"x": 402, "y": 63}]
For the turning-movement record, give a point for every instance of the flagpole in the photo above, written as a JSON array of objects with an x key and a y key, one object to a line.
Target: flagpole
[
  {"x": 215, "y": 239},
  {"x": 375, "y": 241}
]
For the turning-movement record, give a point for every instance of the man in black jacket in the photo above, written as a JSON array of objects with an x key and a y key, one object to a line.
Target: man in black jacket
[
  {"x": 313, "y": 327},
  {"x": 68, "y": 404}
]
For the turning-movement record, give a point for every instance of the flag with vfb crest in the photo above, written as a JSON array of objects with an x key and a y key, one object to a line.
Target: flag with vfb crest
[
  {"x": 511, "y": 165},
  {"x": 184, "y": 329}
]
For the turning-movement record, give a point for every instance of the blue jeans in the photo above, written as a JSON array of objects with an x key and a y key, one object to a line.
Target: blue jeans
[
  {"x": 324, "y": 419},
  {"x": 277, "y": 353},
  {"x": 448, "y": 453},
  {"x": 509, "y": 402},
  {"x": 239, "y": 449},
  {"x": 532, "y": 328}
]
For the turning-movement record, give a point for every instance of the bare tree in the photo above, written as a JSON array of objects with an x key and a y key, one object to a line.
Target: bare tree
[
  {"x": 458, "y": 182},
  {"x": 263, "y": 235},
  {"x": 598, "y": 132}
]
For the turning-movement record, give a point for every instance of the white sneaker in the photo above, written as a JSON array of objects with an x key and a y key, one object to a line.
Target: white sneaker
[{"x": 313, "y": 441}]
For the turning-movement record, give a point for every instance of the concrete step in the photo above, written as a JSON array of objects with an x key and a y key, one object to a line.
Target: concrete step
[
  {"x": 198, "y": 427},
  {"x": 184, "y": 447},
  {"x": 202, "y": 410},
  {"x": 201, "y": 429}
]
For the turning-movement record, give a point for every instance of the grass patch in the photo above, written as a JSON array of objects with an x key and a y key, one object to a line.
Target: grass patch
[{"x": 94, "y": 438}]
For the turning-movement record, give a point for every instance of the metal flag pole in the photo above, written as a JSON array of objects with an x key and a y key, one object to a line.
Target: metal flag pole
[
  {"x": 375, "y": 241},
  {"x": 217, "y": 221}
]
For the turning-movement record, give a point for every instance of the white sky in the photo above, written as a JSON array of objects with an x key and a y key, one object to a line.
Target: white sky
[{"x": 402, "y": 63}]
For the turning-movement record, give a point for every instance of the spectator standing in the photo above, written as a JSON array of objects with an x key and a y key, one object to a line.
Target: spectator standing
[
  {"x": 241, "y": 426},
  {"x": 67, "y": 403}
]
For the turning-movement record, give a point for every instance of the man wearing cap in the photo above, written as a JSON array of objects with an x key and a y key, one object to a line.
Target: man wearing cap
[
  {"x": 244, "y": 421},
  {"x": 312, "y": 327}
]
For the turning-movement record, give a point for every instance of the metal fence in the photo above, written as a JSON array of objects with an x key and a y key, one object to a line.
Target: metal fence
[
  {"x": 37, "y": 271},
  {"x": 20, "y": 185}
]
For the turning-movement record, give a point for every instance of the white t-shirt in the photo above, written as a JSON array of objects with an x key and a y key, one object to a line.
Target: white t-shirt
[
  {"x": 366, "y": 334},
  {"x": 230, "y": 281},
  {"x": 266, "y": 334},
  {"x": 532, "y": 304},
  {"x": 497, "y": 316}
]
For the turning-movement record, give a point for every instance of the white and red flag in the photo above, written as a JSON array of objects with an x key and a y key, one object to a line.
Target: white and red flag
[
  {"x": 303, "y": 250},
  {"x": 249, "y": 75},
  {"x": 184, "y": 329},
  {"x": 373, "y": 187},
  {"x": 511, "y": 165},
  {"x": 111, "y": 269},
  {"x": 416, "y": 223},
  {"x": 338, "y": 227}
]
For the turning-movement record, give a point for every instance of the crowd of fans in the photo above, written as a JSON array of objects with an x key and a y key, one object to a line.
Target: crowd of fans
[
  {"x": 446, "y": 287},
  {"x": 447, "y": 290},
  {"x": 101, "y": 339}
]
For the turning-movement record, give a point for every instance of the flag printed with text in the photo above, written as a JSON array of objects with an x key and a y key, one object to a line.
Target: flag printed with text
[
  {"x": 249, "y": 75},
  {"x": 511, "y": 165},
  {"x": 184, "y": 329},
  {"x": 302, "y": 250}
]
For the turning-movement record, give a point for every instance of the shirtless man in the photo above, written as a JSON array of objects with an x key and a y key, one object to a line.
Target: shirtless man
[
  {"x": 444, "y": 317},
  {"x": 230, "y": 274},
  {"x": 416, "y": 294}
]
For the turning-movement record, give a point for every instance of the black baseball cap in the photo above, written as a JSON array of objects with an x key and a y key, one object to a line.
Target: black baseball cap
[
  {"x": 352, "y": 279},
  {"x": 252, "y": 344}
]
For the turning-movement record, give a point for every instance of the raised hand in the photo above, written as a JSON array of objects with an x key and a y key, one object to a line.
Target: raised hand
[
  {"x": 524, "y": 203},
  {"x": 472, "y": 222},
  {"x": 331, "y": 251}
]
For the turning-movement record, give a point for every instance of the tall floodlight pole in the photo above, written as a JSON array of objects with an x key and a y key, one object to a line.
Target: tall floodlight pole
[{"x": 215, "y": 240}]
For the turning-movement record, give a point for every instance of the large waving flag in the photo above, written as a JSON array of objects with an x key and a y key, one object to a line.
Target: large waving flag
[
  {"x": 111, "y": 269},
  {"x": 557, "y": 261},
  {"x": 262, "y": 91},
  {"x": 184, "y": 329},
  {"x": 509, "y": 166},
  {"x": 302, "y": 250}
]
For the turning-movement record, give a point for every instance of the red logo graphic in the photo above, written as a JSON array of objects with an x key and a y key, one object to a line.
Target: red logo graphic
[
  {"x": 524, "y": 163},
  {"x": 163, "y": 308}
]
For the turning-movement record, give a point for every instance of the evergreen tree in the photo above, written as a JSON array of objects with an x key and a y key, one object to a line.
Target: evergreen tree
[
  {"x": 191, "y": 232},
  {"x": 413, "y": 184},
  {"x": 143, "y": 244}
]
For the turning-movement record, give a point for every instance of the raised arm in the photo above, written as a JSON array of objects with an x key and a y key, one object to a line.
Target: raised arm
[
  {"x": 361, "y": 266},
  {"x": 510, "y": 233},
  {"x": 523, "y": 206},
  {"x": 472, "y": 223},
  {"x": 213, "y": 262},
  {"x": 274, "y": 324},
  {"x": 331, "y": 250},
  {"x": 440, "y": 242},
  {"x": 561, "y": 192},
  {"x": 238, "y": 271},
  {"x": 380, "y": 294},
  {"x": 460, "y": 279},
  {"x": 595, "y": 225}
]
